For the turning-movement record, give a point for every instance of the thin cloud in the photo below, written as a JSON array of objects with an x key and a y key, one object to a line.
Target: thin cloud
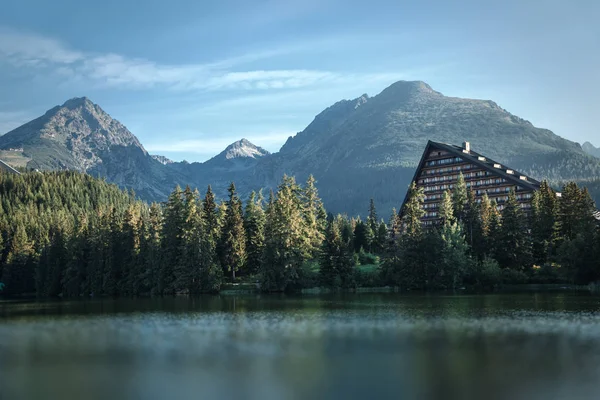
[{"x": 33, "y": 51}]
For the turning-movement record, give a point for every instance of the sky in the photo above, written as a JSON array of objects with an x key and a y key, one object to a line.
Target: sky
[{"x": 189, "y": 77}]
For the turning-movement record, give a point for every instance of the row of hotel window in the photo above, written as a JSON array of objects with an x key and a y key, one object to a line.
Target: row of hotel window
[
  {"x": 492, "y": 192},
  {"x": 485, "y": 182},
  {"x": 458, "y": 168},
  {"x": 434, "y": 214},
  {"x": 446, "y": 178},
  {"x": 443, "y": 161}
]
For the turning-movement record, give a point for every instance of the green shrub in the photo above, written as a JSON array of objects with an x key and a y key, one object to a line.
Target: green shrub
[
  {"x": 547, "y": 273},
  {"x": 512, "y": 276},
  {"x": 365, "y": 258},
  {"x": 489, "y": 273},
  {"x": 368, "y": 276}
]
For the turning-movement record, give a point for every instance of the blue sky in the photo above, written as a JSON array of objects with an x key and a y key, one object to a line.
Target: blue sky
[{"x": 189, "y": 77}]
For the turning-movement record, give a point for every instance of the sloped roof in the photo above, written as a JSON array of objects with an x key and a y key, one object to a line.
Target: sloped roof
[
  {"x": 5, "y": 167},
  {"x": 474, "y": 158}
]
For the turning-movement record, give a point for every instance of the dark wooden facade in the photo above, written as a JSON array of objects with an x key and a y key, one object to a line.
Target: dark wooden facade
[{"x": 441, "y": 165}]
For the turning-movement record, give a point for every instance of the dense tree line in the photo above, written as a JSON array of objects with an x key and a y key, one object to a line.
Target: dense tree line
[
  {"x": 476, "y": 244},
  {"x": 68, "y": 234}
]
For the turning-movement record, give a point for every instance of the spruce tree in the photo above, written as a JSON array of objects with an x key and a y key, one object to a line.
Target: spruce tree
[
  {"x": 151, "y": 250},
  {"x": 17, "y": 274},
  {"x": 254, "y": 223},
  {"x": 187, "y": 269},
  {"x": 172, "y": 242},
  {"x": 545, "y": 224},
  {"x": 459, "y": 197},
  {"x": 446, "y": 209},
  {"x": 514, "y": 249},
  {"x": 471, "y": 218},
  {"x": 403, "y": 263},
  {"x": 233, "y": 235},
  {"x": 312, "y": 215},
  {"x": 362, "y": 236},
  {"x": 394, "y": 229},
  {"x": 413, "y": 212},
  {"x": 286, "y": 244},
  {"x": 569, "y": 210},
  {"x": 209, "y": 214},
  {"x": 454, "y": 259},
  {"x": 382, "y": 235},
  {"x": 372, "y": 221},
  {"x": 337, "y": 263}
]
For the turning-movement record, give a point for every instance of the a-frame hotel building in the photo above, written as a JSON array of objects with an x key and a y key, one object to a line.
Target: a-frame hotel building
[{"x": 441, "y": 165}]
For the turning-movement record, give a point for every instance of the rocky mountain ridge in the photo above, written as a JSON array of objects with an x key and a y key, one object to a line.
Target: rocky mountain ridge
[{"x": 79, "y": 135}]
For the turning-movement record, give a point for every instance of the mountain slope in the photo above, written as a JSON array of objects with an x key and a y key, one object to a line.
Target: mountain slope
[
  {"x": 80, "y": 136},
  {"x": 370, "y": 146}
]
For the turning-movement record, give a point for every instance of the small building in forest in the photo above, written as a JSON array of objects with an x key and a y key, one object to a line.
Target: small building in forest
[{"x": 441, "y": 165}]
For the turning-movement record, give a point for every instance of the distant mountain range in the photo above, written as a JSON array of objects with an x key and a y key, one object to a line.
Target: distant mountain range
[{"x": 356, "y": 149}]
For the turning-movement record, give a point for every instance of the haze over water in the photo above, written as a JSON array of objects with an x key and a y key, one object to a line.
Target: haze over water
[{"x": 498, "y": 346}]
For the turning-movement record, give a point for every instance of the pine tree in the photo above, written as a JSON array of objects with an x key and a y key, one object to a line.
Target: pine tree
[
  {"x": 172, "y": 242},
  {"x": 454, "y": 260},
  {"x": 545, "y": 224},
  {"x": 394, "y": 229},
  {"x": 210, "y": 212},
  {"x": 312, "y": 215},
  {"x": 17, "y": 274},
  {"x": 471, "y": 218},
  {"x": 413, "y": 212},
  {"x": 403, "y": 263},
  {"x": 337, "y": 263},
  {"x": 514, "y": 249},
  {"x": 254, "y": 223},
  {"x": 382, "y": 234},
  {"x": 481, "y": 228},
  {"x": 187, "y": 269},
  {"x": 446, "y": 209},
  {"x": 233, "y": 237},
  {"x": 362, "y": 236},
  {"x": 579, "y": 230},
  {"x": 150, "y": 251},
  {"x": 459, "y": 197},
  {"x": 372, "y": 221},
  {"x": 286, "y": 243},
  {"x": 569, "y": 212}
]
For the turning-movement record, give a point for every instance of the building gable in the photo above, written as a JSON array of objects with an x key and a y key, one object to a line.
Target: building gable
[{"x": 442, "y": 163}]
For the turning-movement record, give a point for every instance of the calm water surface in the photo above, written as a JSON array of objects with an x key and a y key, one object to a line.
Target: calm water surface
[{"x": 371, "y": 346}]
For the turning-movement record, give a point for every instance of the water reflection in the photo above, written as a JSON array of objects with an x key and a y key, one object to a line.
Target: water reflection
[{"x": 520, "y": 346}]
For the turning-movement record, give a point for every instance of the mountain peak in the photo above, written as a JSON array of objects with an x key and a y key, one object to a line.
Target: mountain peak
[
  {"x": 77, "y": 102},
  {"x": 408, "y": 89},
  {"x": 243, "y": 148},
  {"x": 162, "y": 159},
  {"x": 77, "y": 135},
  {"x": 591, "y": 149}
]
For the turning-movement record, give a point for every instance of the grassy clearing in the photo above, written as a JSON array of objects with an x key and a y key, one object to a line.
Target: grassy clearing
[{"x": 15, "y": 159}]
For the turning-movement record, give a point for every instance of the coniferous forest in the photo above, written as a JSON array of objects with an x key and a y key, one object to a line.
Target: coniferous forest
[{"x": 68, "y": 234}]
